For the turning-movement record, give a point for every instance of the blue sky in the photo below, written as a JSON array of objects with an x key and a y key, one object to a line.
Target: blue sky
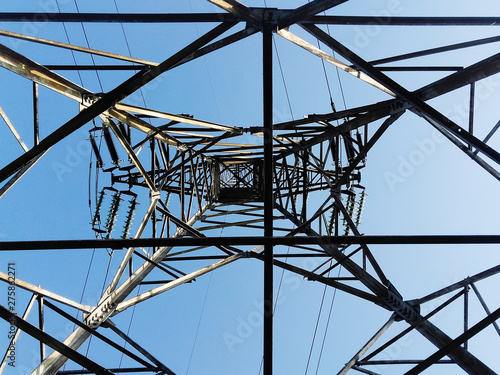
[{"x": 416, "y": 182}]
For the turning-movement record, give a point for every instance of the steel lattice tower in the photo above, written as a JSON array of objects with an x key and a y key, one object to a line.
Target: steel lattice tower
[{"x": 294, "y": 184}]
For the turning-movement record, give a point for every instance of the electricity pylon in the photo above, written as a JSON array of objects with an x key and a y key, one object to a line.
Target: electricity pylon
[{"x": 295, "y": 183}]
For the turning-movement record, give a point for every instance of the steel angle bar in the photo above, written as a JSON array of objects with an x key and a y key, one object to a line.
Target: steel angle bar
[
  {"x": 465, "y": 148},
  {"x": 395, "y": 303},
  {"x": 404, "y": 21},
  {"x": 490, "y": 134},
  {"x": 16, "y": 335},
  {"x": 21, "y": 65},
  {"x": 455, "y": 344},
  {"x": 435, "y": 50},
  {"x": 177, "y": 118},
  {"x": 366, "y": 250},
  {"x": 117, "y": 17},
  {"x": 365, "y": 371},
  {"x": 108, "y": 99},
  {"x": 45, "y": 293},
  {"x": 268, "y": 290},
  {"x": 420, "y": 68},
  {"x": 305, "y": 11},
  {"x": 97, "y": 334},
  {"x": 347, "y": 126},
  {"x": 129, "y": 285},
  {"x": 473, "y": 73},
  {"x": 367, "y": 147},
  {"x": 332, "y": 249},
  {"x": 485, "y": 307},
  {"x": 240, "y": 11},
  {"x": 459, "y": 285},
  {"x": 312, "y": 239},
  {"x": 324, "y": 280},
  {"x": 367, "y": 346},
  {"x": 107, "y": 305},
  {"x": 143, "y": 126},
  {"x": 139, "y": 348},
  {"x": 179, "y": 281},
  {"x": 422, "y": 107},
  {"x": 75, "y": 48},
  {"x": 413, "y": 326},
  {"x": 20, "y": 173},
  {"x": 123, "y": 370},
  {"x": 52, "y": 342},
  {"x": 332, "y": 60},
  {"x": 328, "y": 117},
  {"x": 13, "y": 130},
  {"x": 97, "y": 67},
  {"x": 223, "y": 42},
  {"x": 132, "y": 155}
]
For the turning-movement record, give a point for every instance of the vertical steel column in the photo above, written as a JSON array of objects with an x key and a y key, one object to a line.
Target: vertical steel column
[
  {"x": 471, "y": 109},
  {"x": 466, "y": 313},
  {"x": 36, "y": 131},
  {"x": 41, "y": 323},
  {"x": 267, "y": 53}
]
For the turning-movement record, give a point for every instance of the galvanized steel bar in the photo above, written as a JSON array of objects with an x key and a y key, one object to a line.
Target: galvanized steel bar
[
  {"x": 18, "y": 331},
  {"x": 367, "y": 346},
  {"x": 455, "y": 344},
  {"x": 267, "y": 63},
  {"x": 305, "y": 11},
  {"x": 53, "y": 343},
  {"x": 253, "y": 240},
  {"x": 75, "y": 48},
  {"x": 433, "y": 116},
  {"x": 485, "y": 307},
  {"x": 107, "y": 100}
]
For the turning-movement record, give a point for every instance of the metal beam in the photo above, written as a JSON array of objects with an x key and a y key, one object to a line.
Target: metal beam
[
  {"x": 117, "y": 17},
  {"x": 431, "y": 51},
  {"x": 306, "y": 11},
  {"x": 367, "y": 346},
  {"x": 247, "y": 241},
  {"x": 433, "y": 116},
  {"x": 485, "y": 307},
  {"x": 240, "y": 11},
  {"x": 53, "y": 343},
  {"x": 267, "y": 63},
  {"x": 16, "y": 335},
  {"x": 72, "y": 47},
  {"x": 332, "y": 60},
  {"x": 404, "y": 21},
  {"x": 458, "y": 285},
  {"x": 175, "y": 283},
  {"x": 109, "y": 99},
  {"x": 107, "y": 305},
  {"x": 455, "y": 344},
  {"x": 45, "y": 293},
  {"x": 139, "y": 348}
]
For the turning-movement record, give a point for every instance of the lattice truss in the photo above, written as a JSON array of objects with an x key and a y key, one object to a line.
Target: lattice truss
[{"x": 292, "y": 189}]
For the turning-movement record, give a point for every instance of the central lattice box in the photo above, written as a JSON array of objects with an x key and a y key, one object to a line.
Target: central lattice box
[{"x": 238, "y": 182}]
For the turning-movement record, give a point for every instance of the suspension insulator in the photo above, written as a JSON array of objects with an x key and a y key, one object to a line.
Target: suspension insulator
[
  {"x": 331, "y": 222},
  {"x": 350, "y": 206},
  {"x": 113, "y": 212},
  {"x": 111, "y": 146},
  {"x": 361, "y": 205},
  {"x": 97, "y": 214},
  {"x": 97, "y": 153},
  {"x": 129, "y": 218}
]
